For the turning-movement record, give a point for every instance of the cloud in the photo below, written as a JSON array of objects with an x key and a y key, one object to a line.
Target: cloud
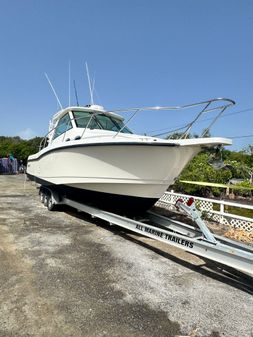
[{"x": 27, "y": 133}]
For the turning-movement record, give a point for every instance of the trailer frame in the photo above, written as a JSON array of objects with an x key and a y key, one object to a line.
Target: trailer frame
[{"x": 198, "y": 240}]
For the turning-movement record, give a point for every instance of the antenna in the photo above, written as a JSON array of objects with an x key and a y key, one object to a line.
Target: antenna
[
  {"x": 77, "y": 103},
  {"x": 51, "y": 85},
  {"x": 69, "y": 81},
  {"x": 89, "y": 82}
]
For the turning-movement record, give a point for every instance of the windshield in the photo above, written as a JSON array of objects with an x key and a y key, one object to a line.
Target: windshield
[
  {"x": 88, "y": 120},
  {"x": 63, "y": 125}
]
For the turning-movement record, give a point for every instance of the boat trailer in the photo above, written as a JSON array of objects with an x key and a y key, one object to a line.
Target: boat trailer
[{"x": 198, "y": 240}]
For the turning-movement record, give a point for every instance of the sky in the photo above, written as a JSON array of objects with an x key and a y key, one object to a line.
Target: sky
[{"x": 139, "y": 52}]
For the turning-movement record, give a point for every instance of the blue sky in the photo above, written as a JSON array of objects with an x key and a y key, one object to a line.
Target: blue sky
[{"x": 141, "y": 53}]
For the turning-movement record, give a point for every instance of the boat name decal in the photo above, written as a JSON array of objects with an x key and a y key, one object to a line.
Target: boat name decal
[{"x": 165, "y": 236}]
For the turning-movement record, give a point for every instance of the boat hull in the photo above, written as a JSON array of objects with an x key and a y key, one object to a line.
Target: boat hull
[
  {"x": 116, "y": 203},
  {"x": 116, "y": 177}
]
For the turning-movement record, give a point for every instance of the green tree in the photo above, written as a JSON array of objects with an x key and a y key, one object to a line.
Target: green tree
[
  {"x": 20, "y": 148},
  {"x": 200, "y": 170}
]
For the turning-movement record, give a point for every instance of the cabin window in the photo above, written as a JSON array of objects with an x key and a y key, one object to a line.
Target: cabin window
[
  {"x": 85, "y": 119},
  {"x": 120, "y": 125},
  {"x": 63, "y": 125},
  {"x": 107, "y": 123}
]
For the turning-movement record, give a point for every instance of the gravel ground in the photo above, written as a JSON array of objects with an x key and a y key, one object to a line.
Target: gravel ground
[{"x": 62, "y": 275}]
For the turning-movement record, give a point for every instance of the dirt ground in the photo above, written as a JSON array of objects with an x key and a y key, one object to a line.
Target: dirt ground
[{"x": 63, "y": 275}]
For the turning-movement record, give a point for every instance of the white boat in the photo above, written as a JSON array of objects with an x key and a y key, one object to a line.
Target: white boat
[{"x": 90, "y": 155}]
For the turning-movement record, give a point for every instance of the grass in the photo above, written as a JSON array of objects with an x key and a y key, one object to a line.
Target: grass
[
  {"x": 239, "y": 211},
  {"x": 248, "y": 213}
]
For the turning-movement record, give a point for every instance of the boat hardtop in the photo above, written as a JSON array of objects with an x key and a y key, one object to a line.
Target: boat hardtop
[{"x": 92, "y": 109}]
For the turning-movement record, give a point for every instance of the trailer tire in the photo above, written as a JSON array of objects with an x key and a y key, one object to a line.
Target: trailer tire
[
  {"x": 42, "y": 197},
  {"x": 50, "y": 205},
  {"x": 45, "y": 200}
]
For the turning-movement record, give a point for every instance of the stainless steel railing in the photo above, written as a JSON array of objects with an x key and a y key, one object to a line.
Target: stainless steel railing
[{"x": 207, "y": 106}]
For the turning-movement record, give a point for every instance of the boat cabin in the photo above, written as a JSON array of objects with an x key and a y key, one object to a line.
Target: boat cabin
[{"x": 86, "y": 118}]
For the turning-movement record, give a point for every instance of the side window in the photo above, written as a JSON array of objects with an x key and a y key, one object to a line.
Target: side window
[{"x": 63, "y": 125}]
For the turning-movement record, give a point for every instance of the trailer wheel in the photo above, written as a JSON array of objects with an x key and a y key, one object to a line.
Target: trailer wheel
[
  {"x": 45, "y": 200},
  {"x": 42, "y": 197},
  {"x": 50, "y": 205}
]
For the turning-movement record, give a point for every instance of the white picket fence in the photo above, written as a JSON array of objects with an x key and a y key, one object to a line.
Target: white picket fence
[{"x": 208, "y": 208}]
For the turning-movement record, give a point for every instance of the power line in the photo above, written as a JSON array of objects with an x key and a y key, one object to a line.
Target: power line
[
  {"x": 237, "y": 112},
  {"x": 237, "y": 137}
]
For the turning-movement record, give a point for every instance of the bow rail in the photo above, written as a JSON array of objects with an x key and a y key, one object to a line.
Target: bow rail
[{"x": 227, "y": 102}]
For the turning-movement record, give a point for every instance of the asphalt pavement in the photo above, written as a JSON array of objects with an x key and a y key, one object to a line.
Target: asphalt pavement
[{"x": 63, "y": 274}]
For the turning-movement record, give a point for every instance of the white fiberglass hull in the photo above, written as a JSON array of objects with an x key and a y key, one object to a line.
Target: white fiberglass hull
[
  {"x": 115, "y": 175},
  {"x": 122, "y": 169}
]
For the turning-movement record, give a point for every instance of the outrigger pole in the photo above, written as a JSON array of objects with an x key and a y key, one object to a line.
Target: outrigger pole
[
  {"x": 55, "y": 94},
  {"x": 89, "y": 82}
]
